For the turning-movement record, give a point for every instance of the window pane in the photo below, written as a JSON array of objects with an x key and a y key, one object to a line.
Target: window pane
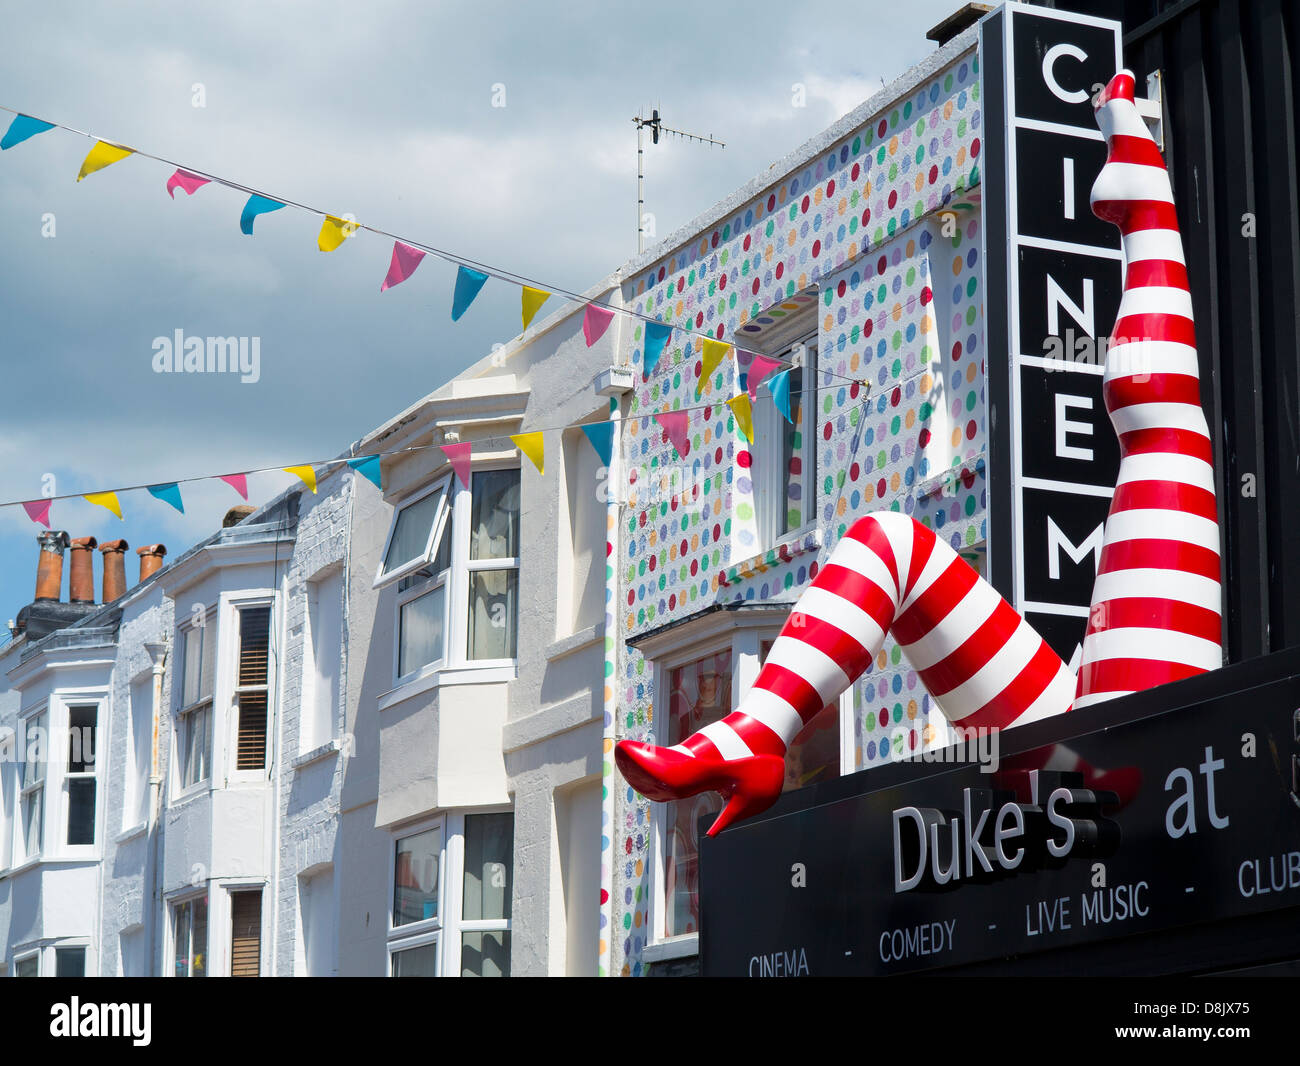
[
  {"x": 494, "y": 519},
  {"x": 493, "y": 611},
  {"x": 254, "y": 645},
  {"x": 34, "y": 761},
  {"x": 81, "y": 739},
  {"x": 81, "y": 810},
  {"x": 442, "y": 552},
  {"x": 416, "y": 962},
  {"x": 701, "y": 693},
  {"x": 28, "y": 967},
  {"x": 489, "y": 844},
  {"x": 485, "y": 954},
  {"x": 196, "y": 728},
  {"x": 69, "y": 962},
  {"x": 245, "y": 933},
  {"x": 415, "y": 888},
  {"x": 793, "y": 456},
  {"x": 192, "y": 668},
  {"x": 411, "y": 531},
  {"x": 33, "y": 809},
  {"x": 191, "y": 931},
  {"x": 421, "y": 624},
  {"x": 251, "y": 742}
]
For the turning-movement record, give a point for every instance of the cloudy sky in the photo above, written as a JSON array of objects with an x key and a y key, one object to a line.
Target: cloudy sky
[{"x": 382, "y": 110}]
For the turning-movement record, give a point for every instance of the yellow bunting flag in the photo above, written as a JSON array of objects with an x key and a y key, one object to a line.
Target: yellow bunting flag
[
  {"x": 531, "y": 445},
  {"x": 105, "y": 499},
  {"x": 533, "y": 300},
  {"x": 744, "y": 412},
  {"x": 334, "y": 231},
  {"x": 101, "y": 156},
  {"x": 306, "y": 473},
  {"x": 713, "y": 353}
]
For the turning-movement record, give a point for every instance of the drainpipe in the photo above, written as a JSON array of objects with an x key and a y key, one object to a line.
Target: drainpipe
[{"x": 158, "y": 653}]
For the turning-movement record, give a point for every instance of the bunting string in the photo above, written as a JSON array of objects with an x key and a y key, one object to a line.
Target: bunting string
[{"x": 407, "y": 252}]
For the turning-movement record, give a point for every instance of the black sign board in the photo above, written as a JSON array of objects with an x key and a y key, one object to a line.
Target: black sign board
[
  {"x": 1053, "y": 282},
  {"x": 1155, "y": 811}
]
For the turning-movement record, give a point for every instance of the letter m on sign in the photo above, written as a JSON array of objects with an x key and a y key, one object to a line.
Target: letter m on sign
[{"x": 1058, "y": 542}]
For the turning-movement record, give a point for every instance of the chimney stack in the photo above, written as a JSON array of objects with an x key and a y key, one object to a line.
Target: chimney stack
[
  {"x": 49, "y": 565},
  {"x": 151, "y": 559},
  {"x": 81, "y": 582},
  {"x": 114, "y": 553}
]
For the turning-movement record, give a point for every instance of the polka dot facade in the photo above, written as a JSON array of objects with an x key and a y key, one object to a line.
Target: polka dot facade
[{"x": 862, "y": 217}]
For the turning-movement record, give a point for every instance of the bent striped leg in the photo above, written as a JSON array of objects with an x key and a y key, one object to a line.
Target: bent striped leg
[
  {"x": 982, "y": 663},
  {"x": 1156, "y": 603}
]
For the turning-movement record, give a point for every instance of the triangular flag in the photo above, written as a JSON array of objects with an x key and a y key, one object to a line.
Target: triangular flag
[
  {"x": 101, "y": 156},
  {"x": 759, "y": 367},
  {"x": 713, "y": 353},
  {"x": 656, "y": 340},
  {"x": 105, "y": 499},
  {"x": 188, "y": 183},
  {"x": 458, "y": 456},
  {"x": 405, "y": 260},
  {"x": 22, "y": 127},
  {"x": 238, "y": 482},
  {"x": 468, "y": 283},
  {"x": 677, "y": 426},
  {"x": 779, "y": 386},
  {"x": 306, "y": 473},
  {"x": 601, "y": 435},
  {"x": 531, "y": 445},
  {"x": 368, "y": 467},
  {"x": 532, "y": 302},
  {"x": 168, "y": 494},
  {"x": 39, "y": 511},
  {"x": 744, "y": 412},
  {"x": 333, "y": 232},
  {"x": 257, "y": 205},
  {"x": 595, "y": 320}
]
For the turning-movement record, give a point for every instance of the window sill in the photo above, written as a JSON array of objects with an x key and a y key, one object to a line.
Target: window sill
[
  {"x": 678, "y": 947},
  {"x": 130, "y": 834},
  {"x": 183, "y": 797},
  {"x": 463, "y": 675},
  {"x": 801, "y": 541},
  {"x": 575, "y": 642},
  {"x": 317, "y": 754},
  {"x": 49, "y": 860}
]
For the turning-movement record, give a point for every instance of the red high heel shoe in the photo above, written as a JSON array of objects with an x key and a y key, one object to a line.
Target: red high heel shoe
[{"x": 749, "y": 785}]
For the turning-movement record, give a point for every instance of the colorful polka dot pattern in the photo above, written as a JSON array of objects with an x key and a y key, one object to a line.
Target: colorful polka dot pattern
[{"x": 895, "y": 309}]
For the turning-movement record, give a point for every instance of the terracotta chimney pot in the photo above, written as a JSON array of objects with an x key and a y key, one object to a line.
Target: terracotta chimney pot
[
  {"x": 114, "y": 553},
  {"x": 81, "y": 582},
  {"x": 49, "y": 564},
  {"x": 151, "y": 559}
]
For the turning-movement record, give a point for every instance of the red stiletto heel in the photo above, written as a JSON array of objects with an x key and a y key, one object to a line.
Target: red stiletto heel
[{"x": 749, "y": 785}]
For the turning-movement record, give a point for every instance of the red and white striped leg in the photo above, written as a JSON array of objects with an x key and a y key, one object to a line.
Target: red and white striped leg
[
  {"x": 984, "y": 665},
  {"x": 1156, "y": 603}
]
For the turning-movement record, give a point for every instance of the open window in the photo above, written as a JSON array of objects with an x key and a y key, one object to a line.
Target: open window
[
  {"x": 415, "y": 533},
  {"x": 785, "y": 453}
]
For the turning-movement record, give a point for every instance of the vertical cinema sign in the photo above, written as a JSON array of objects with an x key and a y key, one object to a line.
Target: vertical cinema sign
[{"x": 1053, "y": 285}]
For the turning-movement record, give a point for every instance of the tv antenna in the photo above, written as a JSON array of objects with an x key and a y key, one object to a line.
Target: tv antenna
[{"x": 656, "y": 126}]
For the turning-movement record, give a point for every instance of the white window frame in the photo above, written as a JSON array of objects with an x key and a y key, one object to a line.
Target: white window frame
[
  {"x": 447, "y": 927},
  {"x": 173, "y": 903},
  {"x": 227, "y": 680},
  {"x": 457, "y": 512},
  {"x": 440, "y": 516},
  {"x": 769, "y": 436},
  {"x": 745, "y": 643},
  {"x": 26, "y": 789},
  {"x": 183, "y": 716},
  {"x": 100, "y": 703},
  {"x": 25, "y": 956}
]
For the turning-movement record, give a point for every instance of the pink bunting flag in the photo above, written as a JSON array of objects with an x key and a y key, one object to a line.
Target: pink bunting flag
[
  {"x": 676, "y": 426},
  {"x": 405, "y": 260},
  {"x": 760, "y": 366},
  {"x": 238, "y": 482},
  {"x": 185, "y": 181},
  {"x": 458, "y": 456},
  {"x": 595, "y": 320},
  {"x": 39, "y": 511}
]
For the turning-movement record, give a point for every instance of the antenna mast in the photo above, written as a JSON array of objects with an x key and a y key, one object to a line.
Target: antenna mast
[{"x": 656, "y": 127}]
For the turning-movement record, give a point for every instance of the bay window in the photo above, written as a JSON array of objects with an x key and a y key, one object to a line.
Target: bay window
[
  {"x": 451, "y": 897},
  {"x": 453, "y": 552},
  {"x": 194, "y": 717}
]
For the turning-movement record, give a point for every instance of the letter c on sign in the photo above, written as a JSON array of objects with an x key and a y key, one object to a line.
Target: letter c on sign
[{"x": 1049, "y": 74}]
